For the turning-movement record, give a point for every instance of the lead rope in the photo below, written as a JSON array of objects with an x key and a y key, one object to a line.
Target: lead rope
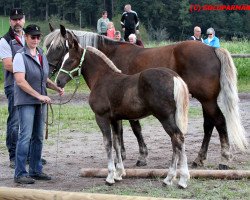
[{"x": 58, "y": 134}]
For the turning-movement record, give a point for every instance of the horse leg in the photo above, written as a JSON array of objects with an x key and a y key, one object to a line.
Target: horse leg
[
  {"x": 214, "y": 117},
  {"x": 226, "y": 155},
  {"x": 208, "y": 129},
  {"x": 143, "y": 150},
  {"x": 178, "y": 145},
  {"x": 104, "y": 125},
  {"x": 116, "y": 130},
  {"x": 123, "y": 151}
]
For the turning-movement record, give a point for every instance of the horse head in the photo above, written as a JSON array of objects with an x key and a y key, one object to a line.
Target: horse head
[
  {"x": 71, "y": 65},
  {"x": 57, "y": 47}
]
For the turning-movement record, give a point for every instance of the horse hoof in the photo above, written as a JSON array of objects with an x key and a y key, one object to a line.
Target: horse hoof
[
  {"x": 140, "y": 163},
  {"x": 223, "y": 167},
  {"x": 118, "y": 179},
  {"x": 197, "y": 164},
  {"x": 182, "y": 185},
  {"x": 109, "y": 184},
  {"x": 167, "y": 182},
  {"x": 166, "y": 185}
]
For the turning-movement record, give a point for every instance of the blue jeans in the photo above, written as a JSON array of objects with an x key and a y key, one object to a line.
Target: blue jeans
[
  {"x": 12, "y": 122},
  {"x": 30, "y": 137}
]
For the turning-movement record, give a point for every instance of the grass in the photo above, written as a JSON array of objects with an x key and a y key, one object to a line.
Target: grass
[{"x": 197, "y": 189}]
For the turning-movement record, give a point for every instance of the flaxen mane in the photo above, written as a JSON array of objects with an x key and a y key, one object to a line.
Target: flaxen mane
[
  {"x": 54, "y": 39},
  {"x": 104, "y": 58}
]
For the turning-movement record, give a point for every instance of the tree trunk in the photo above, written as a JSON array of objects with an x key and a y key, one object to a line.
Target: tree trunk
[{"x": 47, "y": 11}]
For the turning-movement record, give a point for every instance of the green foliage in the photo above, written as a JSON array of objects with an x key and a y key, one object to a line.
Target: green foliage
[
  {"x": 242, "y": 64},
  {"x": 4, "y": 24},
  {"x": 170, "y": 18}
]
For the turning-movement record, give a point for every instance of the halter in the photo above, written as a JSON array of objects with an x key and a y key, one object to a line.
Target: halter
[
  {"x": 73, "y": 70},
  {"x": 55, "y": 66}
]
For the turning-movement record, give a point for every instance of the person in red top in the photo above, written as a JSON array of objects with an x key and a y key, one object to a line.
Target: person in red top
[
  {"x": 133, "y": 40},
  {"x": 111, "y": 30}
]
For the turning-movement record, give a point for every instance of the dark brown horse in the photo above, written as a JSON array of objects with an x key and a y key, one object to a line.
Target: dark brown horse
[
  {"x": 115, "y": 96},
  {"x": 207, "y": 71}
]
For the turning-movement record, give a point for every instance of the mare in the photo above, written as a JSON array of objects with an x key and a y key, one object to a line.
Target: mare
[
  {"x": 115, "y": 96},
  {"x": 207, "y": 71}
]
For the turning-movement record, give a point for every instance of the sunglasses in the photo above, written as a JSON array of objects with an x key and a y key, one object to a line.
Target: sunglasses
[
  {"x": 33, "y": 37},
  {"x": 210, "y": 34}
]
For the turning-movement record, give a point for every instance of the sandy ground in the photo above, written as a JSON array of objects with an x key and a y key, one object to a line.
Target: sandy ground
[{"x": 76, "y": 150}]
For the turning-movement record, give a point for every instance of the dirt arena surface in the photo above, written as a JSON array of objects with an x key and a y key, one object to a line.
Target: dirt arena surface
[{"x": 76, "y": 150}]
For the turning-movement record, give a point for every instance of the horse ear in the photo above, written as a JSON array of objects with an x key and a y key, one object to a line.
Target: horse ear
[
  {"x": 51, "y": 27},
  {"x": 63, "y": 30}
]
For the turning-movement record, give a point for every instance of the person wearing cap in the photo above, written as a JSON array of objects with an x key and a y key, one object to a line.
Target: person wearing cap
[
  {"x": 212, "y": 40},
  {"x": 197, "y": 34},
  {"x": 31, "y": 68},
  {"x": 10, "y": 43}
]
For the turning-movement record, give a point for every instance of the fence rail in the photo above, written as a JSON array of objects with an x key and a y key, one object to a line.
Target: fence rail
[{"x": 240, "y": 55}]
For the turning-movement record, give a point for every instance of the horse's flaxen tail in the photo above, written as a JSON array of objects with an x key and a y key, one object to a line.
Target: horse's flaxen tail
[
  {"x": 181, "y": 97},
  {"x": 230, "y": 99}
]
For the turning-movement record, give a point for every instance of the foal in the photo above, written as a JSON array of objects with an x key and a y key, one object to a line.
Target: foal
[{"x": 115, "y": 96}]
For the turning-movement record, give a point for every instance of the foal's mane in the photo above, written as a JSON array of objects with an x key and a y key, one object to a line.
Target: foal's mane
[{"x": 104, "y": 58}]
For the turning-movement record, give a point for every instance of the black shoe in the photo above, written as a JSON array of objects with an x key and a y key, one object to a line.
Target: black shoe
[
  {"x": 44, "y": 162},
  {"x": 12, "y": 164},
  {"x": 24, "y": 180},
  {"x": 41, "y": 176}
]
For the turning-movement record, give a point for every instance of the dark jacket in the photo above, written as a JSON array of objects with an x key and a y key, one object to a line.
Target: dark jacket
[
  {"x": 36, "y": 75},
  {"x": 130, "y": 20},
  {"x": 15, "y": 45}
]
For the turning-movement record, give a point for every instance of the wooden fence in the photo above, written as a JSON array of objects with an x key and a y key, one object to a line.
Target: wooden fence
[{"x": 7, "y": 193}]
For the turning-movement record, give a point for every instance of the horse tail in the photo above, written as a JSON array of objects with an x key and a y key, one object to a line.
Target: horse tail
[
  {"x": 181, "y": 97},
  {"x": 230, "y": 99}
]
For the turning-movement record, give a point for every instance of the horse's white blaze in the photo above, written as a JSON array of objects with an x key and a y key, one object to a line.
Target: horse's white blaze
[
  {"x": 67, "y": 43},
  {"x": 51, "y": 44},
  {"x": 64, "y": 60},
  {"x": 182, "y": 101}
]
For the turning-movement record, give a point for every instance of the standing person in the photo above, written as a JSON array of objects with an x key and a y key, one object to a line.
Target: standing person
[
  {"x": 129, "y": 22},
  {"x": 10, "y": 43},
  {"x": 118, "y": 36},
  {"x": 197, "y": 34},
  {"x": 30, "y": 68},
  {"x": 212, "y": 40},
  {"x": 111, "y": 30},
  {"x": 102, "y": 24},
  {"x": 133, "y": 40}
]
